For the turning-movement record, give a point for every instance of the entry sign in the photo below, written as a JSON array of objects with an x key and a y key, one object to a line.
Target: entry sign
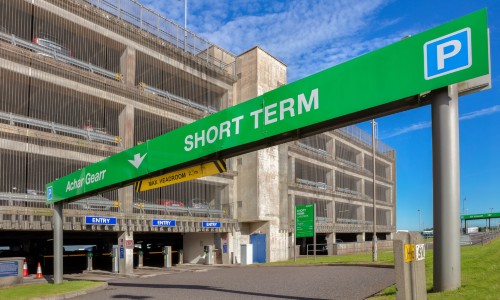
[
  {"x": 419, "y": 252},
  {"x": 164, "y": 223},
  {"x": 374, "y": 84},
  {"x": 304, "y": 220},
  {"x": 95, "y": 220},
  {"x": 210, "y": 224}
]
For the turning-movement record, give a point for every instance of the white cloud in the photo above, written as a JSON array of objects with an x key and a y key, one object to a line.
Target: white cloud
[
  {"x": 428, "y": 124},
  {"x": 308, "y": 36},
  {"x": 411, "y": 128},
  {"x": 480, "y": 113}
]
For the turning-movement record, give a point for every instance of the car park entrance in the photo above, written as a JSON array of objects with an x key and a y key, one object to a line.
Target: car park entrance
[{"x": 407, "y": 74}]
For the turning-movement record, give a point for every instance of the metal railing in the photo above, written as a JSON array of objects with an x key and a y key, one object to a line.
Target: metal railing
[
  {"x": 316, "y": 184},
  {"x": 313, "y": 149},
  {"x": 146, "y": 19},
  {"x": 88, "y": 133},
  {"x": 321, "y": 248},
  {"x": 22, "y": 200},
  {"x": 366, "y": 139},
  {"x": 149, "y": 89},
  {"x": 148, "y": 208},
  {"x": 58, "y": 56}
]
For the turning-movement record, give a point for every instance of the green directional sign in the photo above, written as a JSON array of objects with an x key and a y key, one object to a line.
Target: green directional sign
[
  {"x": 375, "y": 84},
  {"x": 480, "y": 216},
  {"x": 304, "y": 220}
]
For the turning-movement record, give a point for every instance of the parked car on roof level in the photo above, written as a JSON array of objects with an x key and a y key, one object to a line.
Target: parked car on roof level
[
  {"x": 171, "y": 203},
  {"x": 51, "y": 45},
  {"x": 198, "y": 203}
]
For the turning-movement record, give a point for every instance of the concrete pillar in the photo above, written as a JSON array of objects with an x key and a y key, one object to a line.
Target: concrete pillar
[
  {"x": 128, "y": 66},
  {"x": 362, "y": 216},
  {"x": 330, "y": 182},
  {"x": 360, "y": 237},
  {"x": 126, "y": 254},
  {"x": 330, "y": 210},
  {"x": 330, "y": 146},
  {"x": 291, "y": 169},
  {"x": 330, "y": 240},
  {"x": 126, "y": 128},
  {"x": 334, "y": 211}
]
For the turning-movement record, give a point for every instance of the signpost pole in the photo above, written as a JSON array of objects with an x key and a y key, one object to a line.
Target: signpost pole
[
  {"x": 374, "y": 237},
  {"x": 58, "y": 242},
  {"x": 446, "y": 174},
  {"x": 314, "y": 230}
]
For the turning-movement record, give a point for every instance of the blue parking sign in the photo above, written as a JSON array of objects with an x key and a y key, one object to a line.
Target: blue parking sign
[{"x": 448, "y": 54}]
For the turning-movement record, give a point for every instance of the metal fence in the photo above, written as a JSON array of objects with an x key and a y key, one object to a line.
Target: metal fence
[
  {"x": 151, "y": 21},
  {"x": 366, "y": 138}
]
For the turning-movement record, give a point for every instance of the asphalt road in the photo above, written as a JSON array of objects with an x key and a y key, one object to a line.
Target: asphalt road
[{"x": 290, "y": 282}]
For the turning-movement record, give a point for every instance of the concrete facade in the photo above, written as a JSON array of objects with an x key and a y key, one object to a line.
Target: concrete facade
[{"x": 125, "y": 85}]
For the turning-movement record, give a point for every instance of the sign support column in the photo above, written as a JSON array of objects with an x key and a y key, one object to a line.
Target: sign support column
[
  {"x": 446, "y": 177},
  {"x": 58, "y": 242}
]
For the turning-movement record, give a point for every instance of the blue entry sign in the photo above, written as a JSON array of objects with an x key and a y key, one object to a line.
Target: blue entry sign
[
  {"x": 210, "y": 224},
  {"x": 167, "y": 223},
  {"x": 122, "y": 253},
  {"x": 94, "y": 220},
  {"x": 8, "y": 268}
]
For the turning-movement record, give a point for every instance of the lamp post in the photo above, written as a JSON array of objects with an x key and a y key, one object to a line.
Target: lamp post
[
  {"x": 374, "y": 239},
  {"x": 419, "y": 221},
  {"x": 185, "y": 24},
  {"x": 463, "y": 210}
]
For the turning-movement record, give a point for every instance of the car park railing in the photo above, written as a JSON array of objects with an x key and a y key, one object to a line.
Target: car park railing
[
  {"x": 348, "y": 191},
  {"x": 148, "y": 208},
  {"x": 354, "y": 221},
  {"x": 98, "y": 203},
  {"x": 316, "y": 184},
  {"x": 23, "y": 200},
  {"x": 149, "y": 89},
  {"x": 152, "y": 22},
  {"x": 89, "y": 134},
  {"x": 60, "y": 57},
  {"x": 313, "y": 149}
]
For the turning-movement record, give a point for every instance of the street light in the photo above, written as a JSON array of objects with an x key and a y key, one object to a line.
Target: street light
[
  {"x": 374, "y": 239},
  {"x": 185, "y": 24},
  {"x": 419, "y": 222},
  {"x": 463, "y": 211}
]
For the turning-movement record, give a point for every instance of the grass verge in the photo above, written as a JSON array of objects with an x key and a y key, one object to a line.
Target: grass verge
[
  {"x": 24, "y": 292},
  {"x": 480, "y": 274},
  {"x": 384, "y": 256}
]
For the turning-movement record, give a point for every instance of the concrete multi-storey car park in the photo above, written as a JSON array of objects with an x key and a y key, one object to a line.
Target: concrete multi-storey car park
[{"x": 116, "y": 76}]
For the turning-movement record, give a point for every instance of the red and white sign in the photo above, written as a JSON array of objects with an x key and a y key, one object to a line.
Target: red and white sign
[{"x": 129, "y": 244}]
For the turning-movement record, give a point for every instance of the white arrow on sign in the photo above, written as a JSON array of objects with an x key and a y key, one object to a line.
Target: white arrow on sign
[{"x": 137, "y": 161}]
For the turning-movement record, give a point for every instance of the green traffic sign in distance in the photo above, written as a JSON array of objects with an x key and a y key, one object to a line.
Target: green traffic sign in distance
[
  {"x": 304, "y": 220},
  {"x": 481, "y": 216},
  {"x": 373, "y": 84}
]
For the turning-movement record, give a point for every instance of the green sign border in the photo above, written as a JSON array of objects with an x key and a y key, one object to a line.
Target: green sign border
[{"x": 381, "y": 82}]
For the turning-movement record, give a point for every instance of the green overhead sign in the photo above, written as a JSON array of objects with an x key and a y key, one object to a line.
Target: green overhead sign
[
  {"x": 304, "y": 220},
  {"x": 480, "y": 216},
  {"x": 377, "y": 83}
]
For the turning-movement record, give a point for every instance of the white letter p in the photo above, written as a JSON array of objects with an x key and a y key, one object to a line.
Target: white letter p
[{"x": 441, "y": 55}]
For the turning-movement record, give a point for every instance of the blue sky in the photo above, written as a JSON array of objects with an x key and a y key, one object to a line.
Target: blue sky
[{"x": 310, "y": 36}]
